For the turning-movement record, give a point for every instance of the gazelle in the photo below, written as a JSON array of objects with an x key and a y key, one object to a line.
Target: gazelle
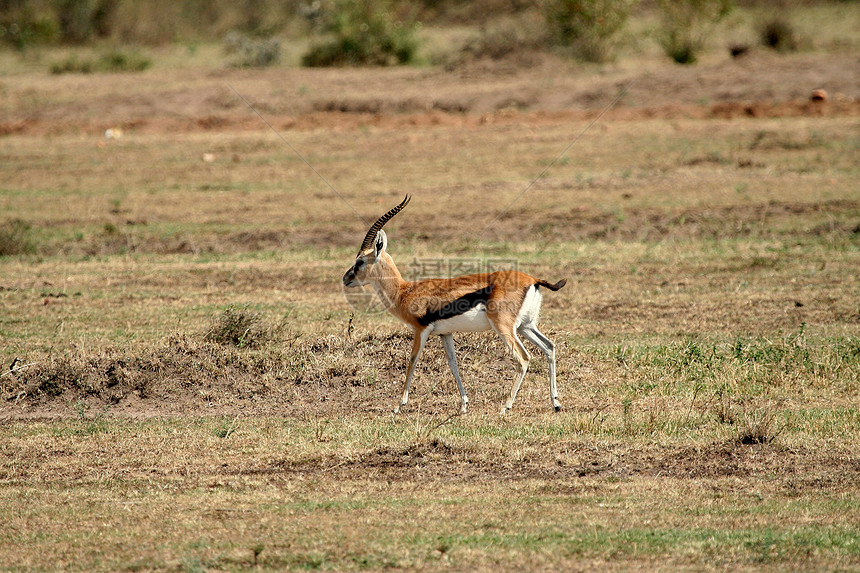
[{"x": 507, "y": 302}]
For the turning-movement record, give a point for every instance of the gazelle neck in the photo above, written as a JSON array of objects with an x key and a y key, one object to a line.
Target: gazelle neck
[{"x": 388, "y": 282}]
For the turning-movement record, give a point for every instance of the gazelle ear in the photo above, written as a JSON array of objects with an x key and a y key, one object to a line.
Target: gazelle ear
[{"x": 381, "y": 242}]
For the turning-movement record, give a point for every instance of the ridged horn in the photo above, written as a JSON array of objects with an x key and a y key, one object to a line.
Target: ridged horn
[{"x": 374, "y": 229}]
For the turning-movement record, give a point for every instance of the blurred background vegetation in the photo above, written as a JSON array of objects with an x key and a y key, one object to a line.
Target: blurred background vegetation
[{"x": 381, "y": 32}]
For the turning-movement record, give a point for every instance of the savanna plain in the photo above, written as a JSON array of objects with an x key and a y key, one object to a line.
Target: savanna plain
[{"x": 186, "y": 386}]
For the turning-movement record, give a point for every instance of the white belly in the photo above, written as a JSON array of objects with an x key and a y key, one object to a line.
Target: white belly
[{"x": 473, "y": 320}]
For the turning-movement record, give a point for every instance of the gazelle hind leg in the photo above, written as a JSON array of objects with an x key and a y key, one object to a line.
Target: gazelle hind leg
[
  {"x": 546, "y": 346},
  {"x": 448, "y": 343},
  {"x": 417, "y": 346}
]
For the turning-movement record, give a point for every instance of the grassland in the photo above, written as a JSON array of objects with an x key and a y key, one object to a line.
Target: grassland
[{"x": 192, "y": 390}]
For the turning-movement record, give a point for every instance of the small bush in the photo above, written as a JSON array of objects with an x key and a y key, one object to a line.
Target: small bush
[
  {"x": 242, "y": 328},
  {"x": 681, "y": 50},
  {"x": 114, "y": 61},
  {"x": 505, "y": 38},
  {"x": 778, "y": 33},
  {"x": 72, "y": 65},
  {"x": 75, "y": 18},
  {"x": 26, "y": 23},
  {"x": 364, "y": 32},
  {"x": 16, "y": 238},
  {"x": 123, "y": 61},
  {"x": 588, "y": 27},
  {"x": 759, "y": 426},
  {"x": 25, "y": 33},
  {"x": 252, "y": 52},
  {"x": 686, "y": 25}
]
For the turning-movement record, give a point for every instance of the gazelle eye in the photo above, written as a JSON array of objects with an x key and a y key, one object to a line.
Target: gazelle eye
[{"x": 358, "y": 264}]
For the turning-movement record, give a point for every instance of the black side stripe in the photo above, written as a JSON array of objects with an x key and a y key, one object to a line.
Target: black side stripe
[{"x": 457, "y": 306}]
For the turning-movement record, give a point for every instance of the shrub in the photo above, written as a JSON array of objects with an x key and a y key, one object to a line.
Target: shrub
[
  {"x": 82, "y": 20},
  {"x": 505, "y": 38},
  {"x": 72, "y": 65},
  {"x": 364, "y": 32},
  {"x": 16, "y": 239},
  {"x": 75, "y": 20},
  {"x": 778, "y": 33},
  {"x": 113, "y": 61},
  {"x": 22, "y": 28},
  {"x": 252, "y": 52},
  {"x": 242, "y": 328},
  {"x": 123, "y": 61},
  {"x": 686, "y": 24},
  {"x": 760, "y": 426},
  {"x": 588, "y": 27}
]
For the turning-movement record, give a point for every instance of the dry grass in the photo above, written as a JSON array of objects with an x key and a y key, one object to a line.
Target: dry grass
[
  {"x": 191, "y": 390},
  {"x": 359, "y": 493}
]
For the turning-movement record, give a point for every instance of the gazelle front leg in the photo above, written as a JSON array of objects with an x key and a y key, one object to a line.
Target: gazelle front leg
[
  {"x": 448, "y": 342},
  {"x": 417, "y": 346}
]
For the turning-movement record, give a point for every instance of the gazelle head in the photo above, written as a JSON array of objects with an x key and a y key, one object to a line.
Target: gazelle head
[{"x": 372, "y": 249}]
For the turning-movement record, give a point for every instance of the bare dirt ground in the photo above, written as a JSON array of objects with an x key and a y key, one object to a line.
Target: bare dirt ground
[{"x": 760, "y": 84}]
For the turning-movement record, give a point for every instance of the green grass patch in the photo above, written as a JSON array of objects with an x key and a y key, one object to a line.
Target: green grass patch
[{"x": 109, "y": 62}]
